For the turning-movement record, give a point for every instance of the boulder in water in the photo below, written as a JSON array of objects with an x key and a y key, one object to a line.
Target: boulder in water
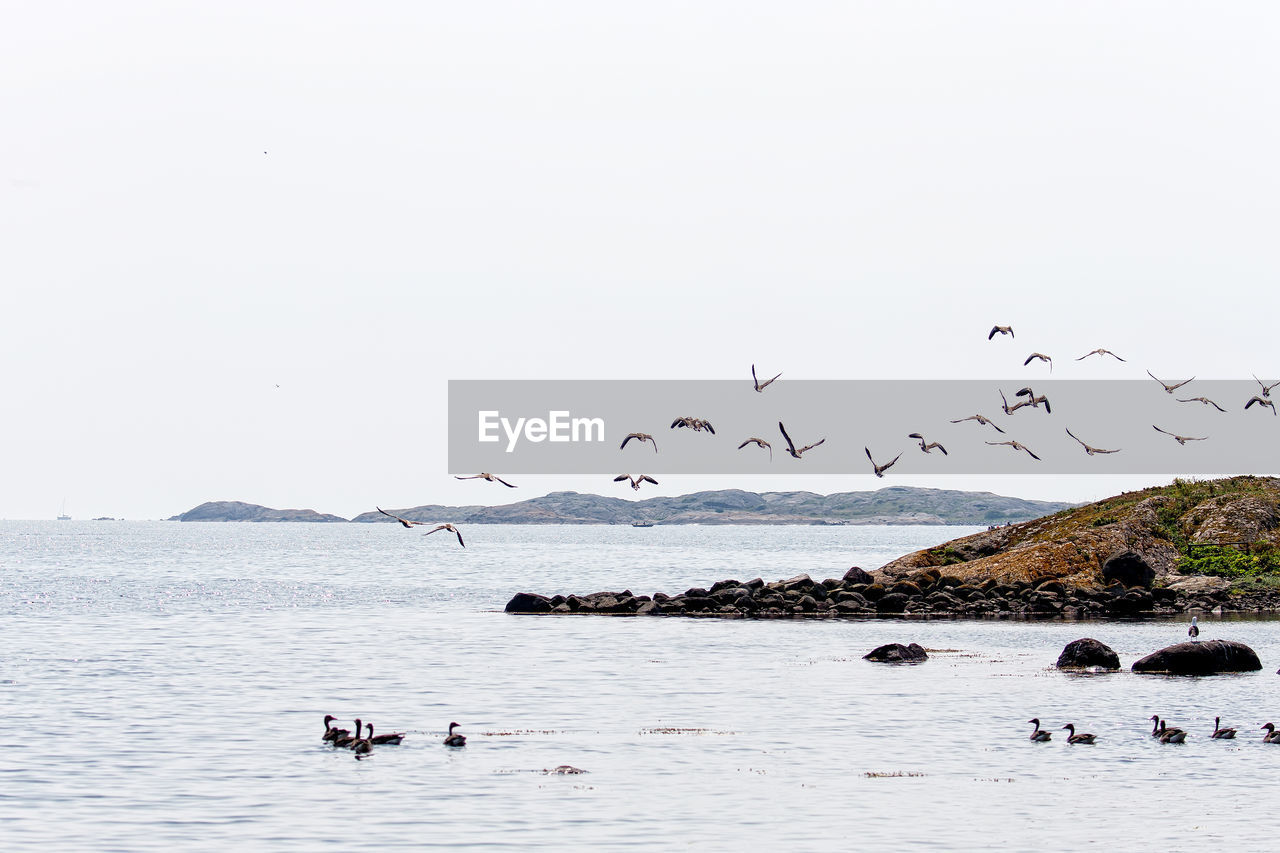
[
  {"x": 1088, "y": 653},
  {"x": 1207, "y": 658},
  {"x": 897, "y": 653}
]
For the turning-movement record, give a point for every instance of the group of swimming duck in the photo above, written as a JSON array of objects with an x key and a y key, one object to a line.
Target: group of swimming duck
[
  {"x": 1159, "y": 730},
  {"x": 364, "y": 745}
]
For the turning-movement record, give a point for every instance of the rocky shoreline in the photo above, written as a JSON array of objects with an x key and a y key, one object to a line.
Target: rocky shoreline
[{"x": 924, "y": 593}]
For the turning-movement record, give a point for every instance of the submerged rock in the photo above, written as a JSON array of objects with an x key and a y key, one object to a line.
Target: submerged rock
[
  {"x": 1088, "y": 653},
  {"x": 1207, "y": 658},
  {"x": 897, "y": 653}
]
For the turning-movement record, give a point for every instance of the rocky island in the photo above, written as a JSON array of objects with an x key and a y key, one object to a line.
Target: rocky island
[
  {"x": 1207, "y": 546},
  {"x": 238, "y": 511}
]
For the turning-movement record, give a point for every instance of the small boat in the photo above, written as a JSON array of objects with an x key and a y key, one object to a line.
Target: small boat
[
  {"x": 63, "y": 515},
  {"x": 642, "y": 524}
]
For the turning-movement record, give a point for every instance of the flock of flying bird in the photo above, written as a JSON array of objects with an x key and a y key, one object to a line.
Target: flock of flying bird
[{"x": 1024, "y": 398}]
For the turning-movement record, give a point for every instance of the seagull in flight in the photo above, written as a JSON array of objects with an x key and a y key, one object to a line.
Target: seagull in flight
[
  {"x": 486, "y": 476},
  {"x": 758, "y": 442},
  {"x": 880, "y": 469},
  {"x": 1017, "y": 446},
  {"x": 695, "y": 424},
  {"x": 635, "y": 481},
  {"x": 639, "y": 436},
  {"x": 1204, "y": 400},
  {"x": 1100, "y": 351},
  {"x": 1088, "y": 449},
  {"x": 1003, "y": 330},
  {"x": 1169, "y": 389},
  {"x": 451, "y": 529},
  {"x": 791, "y": 447},
  {"x": 1181, "y": 439},
  {"x": 1040, "y": 356},
  {"x": 1261, "y": 401},
  {"x": 926, "y": 447},
  {"x": 760, "y": 386},
  {"x": 981, "y": 420},
  {"x": 407, "y": 522}
]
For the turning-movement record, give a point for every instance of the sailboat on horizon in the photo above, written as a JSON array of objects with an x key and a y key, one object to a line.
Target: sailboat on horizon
[{"x": 63, "y": 516}]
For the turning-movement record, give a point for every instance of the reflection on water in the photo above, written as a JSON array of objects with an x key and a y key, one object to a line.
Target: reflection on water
[{"x": 164, "y": 686}]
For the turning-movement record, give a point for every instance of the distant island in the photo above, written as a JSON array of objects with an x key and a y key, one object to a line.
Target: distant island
[{"x": 892, "y": 505}]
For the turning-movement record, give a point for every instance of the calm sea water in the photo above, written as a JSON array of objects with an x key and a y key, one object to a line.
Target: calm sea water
[{"x": 162, "y": 686}]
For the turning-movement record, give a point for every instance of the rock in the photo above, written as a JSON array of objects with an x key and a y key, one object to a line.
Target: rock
[
  {"x": 528, "y": 602},
  {"x": 906, "y": 588},
  {"x": 1207, "y": 658},
  {"x": 1129, "y": 568},
  {"x": 894, "y": 602},
  {"x": 1088, "y": 653},
  {"x": 1200, "y": 584},
  {"x": 896, "y": 653},
  {"x": 858, "y": 575}
]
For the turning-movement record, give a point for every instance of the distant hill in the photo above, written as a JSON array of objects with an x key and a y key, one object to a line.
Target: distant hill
[
  {"x": 238, "y": 511},
  {"x": 892, "y": 505}
]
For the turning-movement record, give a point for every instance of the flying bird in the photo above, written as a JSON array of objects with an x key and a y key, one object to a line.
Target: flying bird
[
  {"x": 1169, "y": 389},
  {"x": 407, "y": 522},
  {"x": 486, "y": 476},
  {"x": 635, "y": 481},
  {"x": 639, "y": 436},
  {"x": 1003, "y": 330},
  {"x": 1100, "y": 351},
  {"x": 1266, "y": 389},
  {"x": 981, "y": 420},
  {"x": 695, "y": 424},
  {"x": 1009, "y": 410},
  {"x": 1088, "y": 449},
  {"x": 880, "y": 469},
  {"x": 927, "y": 447},
  {"x": 758, "y": 442},
  {"x": 1204, "y": 400},
  {"x": 1181, "y": 439},
  {"x": 1017, "y": 446},
  {"x": 791, "y": 447},
  {"x": 1040, "y": 356},
  {"x": 1261, "y": 401},
  {"x": 1033, "y": 401},
  {"x": 760, "y": 386},
  {"x": 451, "y": 529}
]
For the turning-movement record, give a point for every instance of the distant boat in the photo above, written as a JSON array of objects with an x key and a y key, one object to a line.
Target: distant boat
[
  {"x": 642, "y": 524},
  {"x": 64, "y": 516}
]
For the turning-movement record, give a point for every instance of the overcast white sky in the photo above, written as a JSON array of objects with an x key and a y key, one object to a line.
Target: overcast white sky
[{"x": 200, "y": 202}]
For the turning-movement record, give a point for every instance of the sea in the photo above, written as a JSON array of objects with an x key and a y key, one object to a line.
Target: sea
[{"x": 163, "y": 684}]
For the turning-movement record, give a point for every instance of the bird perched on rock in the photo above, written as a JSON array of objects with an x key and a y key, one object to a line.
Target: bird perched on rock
[{"x": 1194, "y": 631}]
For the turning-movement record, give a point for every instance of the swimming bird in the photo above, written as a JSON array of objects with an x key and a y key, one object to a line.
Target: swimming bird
[
  {"x": 1169, "y": 389},
  {"x": 390, "y": 740},
  {"x": 349, "y": 739},
  {"x": 981, "y": 420},
  {"x": 1040, "y": 356},
  {"x": 695, "y": 424},
  {"x": 635, "y": 481},
  {"x": 489, "y": 477},
  {"x": 407, "y": 522},
  {"x": 362, "y": 745},
  {"x": 455, "y": 740},
  {"x": 927, "y": 447},
  {"x": 880, "y": 469},
  {"x": 1039, "y": 735},
  {"x": 1004, "y": 330},
  {"x": 1088, "y": 449},
  {"x": 1181, "y": 439},
  {"x": 331, "y": 732},
  {"x": 1220, "y": 733},
  {"x": 1171, "y": 734},
  {"x": 1016, "y": 446},
  {"x": 1155, "y": 725},
  {"x": 1272, "y": 736},
  {"x": 759, "y": 442},
  {"x": 451, "y": 529},
  {"x": 760, "y": 386},
  {"x": 1100, "y": 351},
  {"x": 1266, "y": 389},
  {"x": 639, "y": 436},
  {"x": 1079, "y": 738},
  {"x": 1204, "y": 400},
  {"x": 1194, "y": 631},
  {"x": 791, "y": 447},
  {"x": 1261, "y": 401}
]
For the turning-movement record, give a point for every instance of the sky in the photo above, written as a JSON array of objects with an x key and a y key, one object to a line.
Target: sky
[{"x": 244, "y": 246}]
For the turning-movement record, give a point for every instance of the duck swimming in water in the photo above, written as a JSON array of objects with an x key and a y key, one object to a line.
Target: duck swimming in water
[
  {"x": 347, "y": 740},
  {"x": 1039, "y": 735},
  {"x": 1171, "y": 734},
  {"x": 1079, "y": 738},
  {"x": 363, "y": 745},
  {"x": 1272, "y": 736},
  {"x": 390, "y": 740},
  {"x": 331, "y": 732},
  {"x": 1220, "y": 733},
  {"x": 455, "y": 740}
]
